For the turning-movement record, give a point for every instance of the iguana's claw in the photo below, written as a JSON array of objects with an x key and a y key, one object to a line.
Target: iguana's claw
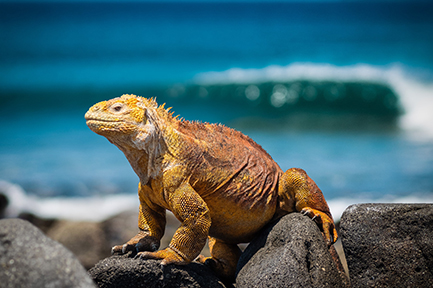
[
  {"x": 167, "y": 255},
  {"x": 140, "y": 242},
  {"x": 325, "y": 223},
  {"x": 201, "y": 258},
  {"x": 122, "y": 249}
]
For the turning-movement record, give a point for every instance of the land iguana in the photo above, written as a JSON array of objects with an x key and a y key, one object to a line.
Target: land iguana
[{"x": 218, "y": 183}]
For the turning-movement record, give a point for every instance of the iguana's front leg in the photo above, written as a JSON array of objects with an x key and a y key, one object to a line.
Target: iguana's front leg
[
  {"x": 298, "y": 192},
  {"x": 151, "y": 222},
  {"x": 190, "y": 238}
]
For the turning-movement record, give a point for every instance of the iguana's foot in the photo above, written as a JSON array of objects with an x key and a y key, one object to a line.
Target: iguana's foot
[
  {"x": 325, "y": 223},
  {"x": 140, "y": 242},
  {"x": 223, "y": 269},
  {"x": 168, "y": 256},
  {"x": 224, "y": 259},
  {"x": 298, "y": 192}
]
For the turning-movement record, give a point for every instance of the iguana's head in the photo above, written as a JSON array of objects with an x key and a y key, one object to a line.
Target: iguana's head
[{"x": 127, "y": 118}]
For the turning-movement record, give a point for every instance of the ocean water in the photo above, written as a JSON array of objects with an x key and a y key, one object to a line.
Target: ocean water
[{"x": 342, "y": 90}]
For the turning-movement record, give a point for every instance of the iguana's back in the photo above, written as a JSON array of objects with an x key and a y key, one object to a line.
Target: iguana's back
[{"x": 229, "y": 164}]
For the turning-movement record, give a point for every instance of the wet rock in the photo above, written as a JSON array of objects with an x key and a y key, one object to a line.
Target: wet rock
[
  {"x": 28, "y": 258},
  {"x": 289, "y": 253},
  {"x": 389, "y": 245},
  {"x": 124, "y": 271}
]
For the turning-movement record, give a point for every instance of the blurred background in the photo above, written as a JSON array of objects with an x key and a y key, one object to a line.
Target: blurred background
[{"x": 342, "y": 89}]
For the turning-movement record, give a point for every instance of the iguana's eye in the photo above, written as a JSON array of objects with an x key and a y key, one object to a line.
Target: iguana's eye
[{"x": 117, "y": 107}]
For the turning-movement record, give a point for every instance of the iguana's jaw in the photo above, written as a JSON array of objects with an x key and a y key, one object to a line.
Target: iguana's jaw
[{"x": 105, "y": 125}]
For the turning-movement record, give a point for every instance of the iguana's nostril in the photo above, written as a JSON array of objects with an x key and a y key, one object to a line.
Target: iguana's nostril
[{"x": 96, "y": 108}]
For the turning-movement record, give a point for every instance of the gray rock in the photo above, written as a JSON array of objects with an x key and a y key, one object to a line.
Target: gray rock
[
  {"x": 91, "y": 241},
  {"x": 43, "y": 224},
  {"x": 288, "y": 253},
  {"x": 123, "y": 226},
  {"x": 30, "y": 259},
  {"x": 124, "y": 271},
  {"x": 85, "y": 239},
  {"x": 389, "y": 245},
  {"x": 120, "y": 228}
]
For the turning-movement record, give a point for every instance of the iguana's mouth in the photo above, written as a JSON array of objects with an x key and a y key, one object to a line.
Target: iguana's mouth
[
  {"x": 108, "y": 125},
  {"x": 95, "y": 118},
  {"x": 98, "y": 124}
]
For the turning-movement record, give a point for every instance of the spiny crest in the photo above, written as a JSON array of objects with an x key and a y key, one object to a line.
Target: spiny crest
[
  {"x": 139, "y": 101},
  {"x": 196, "y": 128},
  {"x": 151, "y": 104}
]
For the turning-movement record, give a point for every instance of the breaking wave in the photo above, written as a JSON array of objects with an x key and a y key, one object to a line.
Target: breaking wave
[{"x": 361, "y": 88}]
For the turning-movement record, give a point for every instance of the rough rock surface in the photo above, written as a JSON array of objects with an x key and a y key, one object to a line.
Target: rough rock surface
[
  {"x": 30, "y": 259},
  {"x": 289, "y": 253},
  {"x": 125, "y": 271},
  {"x": 389, "y": 245}
]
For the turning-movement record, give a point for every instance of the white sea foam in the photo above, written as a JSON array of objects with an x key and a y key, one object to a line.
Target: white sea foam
[
  {"x": 99, "y": 208},
  {"x": 95, "y": 208},
  {"x": 416, "y": 97},
  {"x": 297, "y": 71}
]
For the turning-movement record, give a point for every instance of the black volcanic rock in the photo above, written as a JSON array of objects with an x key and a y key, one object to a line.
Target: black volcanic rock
[
  {"x": 389, "y": 245},
  {"x": 127, "y": 272},
  {"x": 289, "y": 253}
]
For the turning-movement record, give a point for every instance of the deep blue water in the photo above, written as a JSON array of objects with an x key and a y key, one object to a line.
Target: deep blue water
[
  {"x": 343, "y": 90},
  {"x": 100, "y": 45}
]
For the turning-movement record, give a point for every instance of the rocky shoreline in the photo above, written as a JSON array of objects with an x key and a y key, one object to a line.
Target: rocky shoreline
[{"x": 386, "y": 245}]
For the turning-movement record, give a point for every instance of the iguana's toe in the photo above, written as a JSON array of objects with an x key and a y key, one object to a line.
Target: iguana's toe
[
  {"x": 167, "y": 255},
  {"x": 122, "y": 249},
  {"x": 140, "y": 242},
  {"x": 222, "y": 269},
  {"x": 148, "y": 243},
  {"x": 325, "y": 223},
  {"x": 200, "y": 258},
  {"x": 330, "y": 232}
]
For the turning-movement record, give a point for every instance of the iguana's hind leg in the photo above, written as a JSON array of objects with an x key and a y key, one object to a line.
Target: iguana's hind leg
[
  {"x": 298, "y": 192},
  {"x": 223, "y": 260}
]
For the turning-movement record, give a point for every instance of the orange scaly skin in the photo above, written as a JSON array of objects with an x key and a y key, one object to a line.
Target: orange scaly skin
[{"x": 218, "y": 182}]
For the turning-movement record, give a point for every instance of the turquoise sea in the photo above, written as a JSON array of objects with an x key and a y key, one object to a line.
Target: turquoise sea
[{"x": 343, "y": 90}]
